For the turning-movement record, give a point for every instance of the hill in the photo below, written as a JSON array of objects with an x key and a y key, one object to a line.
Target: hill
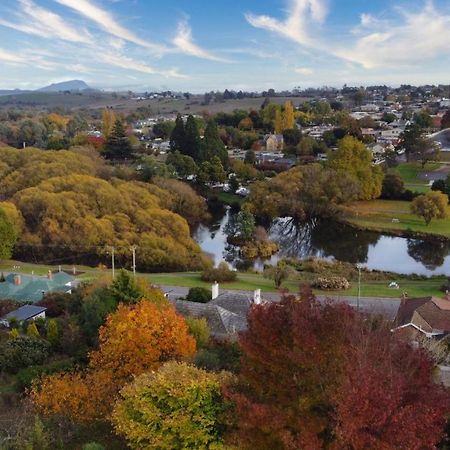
[{"x": 71, "y": 85}]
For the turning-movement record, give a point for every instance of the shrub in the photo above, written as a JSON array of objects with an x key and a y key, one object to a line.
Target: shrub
[
  {"x": 93, "y": 446},
  {"x": 221, "y": 274},
  {"x": 21, "y": 352},
  {"x": 331, "y": 283},
  {"x": 56, "y": 303},
  {"x": 25, "y": 377},
  {"x": 199, "y": 295},
  {"x": 198, "y": 328}
]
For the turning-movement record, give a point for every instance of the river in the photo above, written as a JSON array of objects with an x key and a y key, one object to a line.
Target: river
[{"x": 329, "y": 239}]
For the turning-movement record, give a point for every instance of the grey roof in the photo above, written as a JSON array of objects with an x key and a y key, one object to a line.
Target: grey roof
[
  {"x": 25, "y": 312},
  {"x": 226, "y": 315}
]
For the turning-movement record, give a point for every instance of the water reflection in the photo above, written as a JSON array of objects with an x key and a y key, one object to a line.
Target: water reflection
[{"x": 329, "y": 239}]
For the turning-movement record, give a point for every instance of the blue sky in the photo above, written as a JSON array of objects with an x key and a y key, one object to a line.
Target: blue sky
[{"x": 200, "y": 45}]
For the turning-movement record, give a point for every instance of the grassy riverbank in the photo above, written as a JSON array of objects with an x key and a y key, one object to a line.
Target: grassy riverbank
[{"x": 378, "y": 215}]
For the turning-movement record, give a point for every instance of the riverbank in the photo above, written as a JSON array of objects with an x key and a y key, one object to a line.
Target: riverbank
[{"x": 394, "y": 217}]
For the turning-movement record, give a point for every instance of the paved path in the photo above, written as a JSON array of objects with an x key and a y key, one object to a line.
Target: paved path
[{"x": 377, "y": 305}]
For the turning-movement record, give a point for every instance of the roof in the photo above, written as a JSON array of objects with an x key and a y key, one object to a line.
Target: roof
[
  {"x": 433, "y": 311},
  {"x": 226, "y": 315},
  {"x": 32, "y": 288},
  {"x": 25, "y": 312}
]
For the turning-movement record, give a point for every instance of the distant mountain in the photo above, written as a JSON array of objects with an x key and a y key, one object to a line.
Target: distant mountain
[
  {"x": 71, "y": 85},
  {"x": 12, "y": 92}
]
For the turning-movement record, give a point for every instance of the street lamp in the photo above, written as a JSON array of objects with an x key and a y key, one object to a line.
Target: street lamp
[{"x": 358, "y": 266}]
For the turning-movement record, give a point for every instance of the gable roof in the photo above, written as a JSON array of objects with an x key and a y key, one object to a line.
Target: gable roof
[
  {"x": 435, "y": 312},
  {"x": 25, "y": 312}
]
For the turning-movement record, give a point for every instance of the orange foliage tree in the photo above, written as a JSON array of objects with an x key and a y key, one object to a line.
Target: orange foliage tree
[{"x": 135, "y": 339}]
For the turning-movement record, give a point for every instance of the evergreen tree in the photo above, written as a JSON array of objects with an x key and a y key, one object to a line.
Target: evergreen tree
[
  {"x": 53, "y": 332},
  {"x": 124, "y": 289},
  {"x": 213, "y": 145},
  {"x": 118, "y": 145},
  {"x": 192, "y": 143},
  {"x": 177, "y": 137}
]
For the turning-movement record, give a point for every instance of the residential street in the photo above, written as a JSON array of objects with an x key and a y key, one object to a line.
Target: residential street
[{"x": 378, "y": 305}]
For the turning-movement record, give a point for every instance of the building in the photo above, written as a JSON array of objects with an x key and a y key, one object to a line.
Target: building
[
  {"x": 429, "y": 316},
  {"x": 26, "y": 312},
  {"x": 274, "y": 142},
  {"x": 226, "y": 313},
  {"x": 31, "y": 288}
]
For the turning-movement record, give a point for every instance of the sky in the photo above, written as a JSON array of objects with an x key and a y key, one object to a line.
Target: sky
[{"x": 203, "y": 45}]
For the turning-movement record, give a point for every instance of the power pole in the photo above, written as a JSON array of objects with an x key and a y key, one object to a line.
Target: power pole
[
  {"x": 112, "y": 262},
  {"x": 133, "y": 249}
]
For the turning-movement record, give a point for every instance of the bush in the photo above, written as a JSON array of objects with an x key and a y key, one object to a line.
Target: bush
[
  {"x": 93, "y": 446},
  {"x": 25, "y": 377},
  {"x": 199, "y": 295},
  {"x": 22, "y": 351},
  {"x": 331, "y": 283},
  {"x": 56, "y": 303},
  {"x": 198, "y": 328},
  {"x": 221, "y": 274}
]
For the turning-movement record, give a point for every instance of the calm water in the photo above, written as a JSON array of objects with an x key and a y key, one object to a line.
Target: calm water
[{"x": 329, "y": 239}]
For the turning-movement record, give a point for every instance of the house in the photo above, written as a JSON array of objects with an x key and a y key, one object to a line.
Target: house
[
  {"x": 274, "y": 142},
  {"x": 226, "y": 313},
  {"x": 26, "y": 312},
  {"x": 31, "y": 288},
  {"x": 429, "y": 316}
]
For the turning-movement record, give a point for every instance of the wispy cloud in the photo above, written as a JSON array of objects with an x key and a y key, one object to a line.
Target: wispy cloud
[
  {"x": 185, "y": 42},
  {"x": 35, "y": 20},
  {"x": 409, "y": 38},
  {"x": 9, "y": 57},
  {"x": 106, "y": 21},
  {"x": 303, "y": 71}
]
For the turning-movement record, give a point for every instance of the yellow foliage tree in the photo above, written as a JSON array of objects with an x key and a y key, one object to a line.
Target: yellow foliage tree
[
  {"x": 135, "y": 339},
  {"x": 108, "y": 120},
  {"x": 288, "y": 116}
]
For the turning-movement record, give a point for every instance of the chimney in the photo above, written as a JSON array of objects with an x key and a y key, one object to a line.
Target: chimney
[
  {"x": 215, "y": 290},
  {"x": 74, "y": 270},
  {"x": 59, "y": 269},
  {"x": 257, "y": 297},
  {"x": 17, "y": 280},
  {"x": 49, "y": 275}
]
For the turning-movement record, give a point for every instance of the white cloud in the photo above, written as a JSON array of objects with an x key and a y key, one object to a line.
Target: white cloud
[
  {"x": 303, "y": 71},
  {"x": 108, "y": 23},
  {"x": 9, "y": 57},
  {"x": 413, "y": 38},
  {"x": 44, "y": 23},
  {"x": 185, "y": 42},
  {"x": 296, "y": 26}
]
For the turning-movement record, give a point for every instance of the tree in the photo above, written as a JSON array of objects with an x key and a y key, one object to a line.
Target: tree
[
  {"x": 177, "y": 137},
  {"x": 423, "y": 119},
  {"x": 278, "y": 121},
  {"x": 250, "y": 157},
  {"x": 432, "y": 205},
  {"x": 22, "y": 351},
  {"x": 288, "y": 116},
  {"x": 213, "y": 145},
  {"x": 292, "y": 136},
  {"x": 108, "y": 121},
  {"x": 118, "y": 144},
  {"x": 135, "y": 339},
  {"x": 179, "y": 406},
  {"x": 354, "y": 159},
  {"x": 32, "y": 330},
  {"x": 441, "y": 185},
  {"x": 124, "y": 288},
  {"x": 393, "y": 185},
  {"x": 233, "y": 183},
  {"x": 445, "y": 122},
  {"x": 319, "y": 375},
  {"x": 217, "y": 172},
  {"x": 192, "y": 142},
  {"x": 53, "y": 333},
  {"x": 409, "y": 138},
  {"x": 245, "y": 225},
  {"x": 425, "y": 150},
  {"x": 199, "y": 329},
  {"x": 184, "y": 165},
  {"x": 278, "y": 273},
  {"x": 198, "y": 295},
  {"x": 8, "y": 236}
]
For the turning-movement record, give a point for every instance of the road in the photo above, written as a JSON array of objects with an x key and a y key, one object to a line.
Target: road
[{"x": 377, "y": 305}]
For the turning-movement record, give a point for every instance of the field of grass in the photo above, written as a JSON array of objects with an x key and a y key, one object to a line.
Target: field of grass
[
  {"x": 410, "y": 173},
  {"x": 229, "y": 199},
  {"x": 378, "y": 215}
]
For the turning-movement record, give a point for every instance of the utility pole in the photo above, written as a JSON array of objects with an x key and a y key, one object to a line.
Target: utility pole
[
  {"x": 133, "y": 249},
  {"x": 112, "y": 262},
  {"x": 359, "y": 286}
]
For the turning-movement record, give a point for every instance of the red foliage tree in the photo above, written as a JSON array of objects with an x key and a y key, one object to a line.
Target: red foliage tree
[{"x": 320, "y": 375}]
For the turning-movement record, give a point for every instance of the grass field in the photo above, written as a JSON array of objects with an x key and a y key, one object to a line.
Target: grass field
[
  {"x": 378, "y": 215},
  {"x": 410, "y": 173},
  {"x": 252, "y": 281}
]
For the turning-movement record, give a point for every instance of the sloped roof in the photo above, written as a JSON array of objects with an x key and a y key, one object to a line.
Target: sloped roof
[
  {"x": 434, "y": 311},
  {"x": 25, "y": 312},
  {"x": 31, "y": 287}
]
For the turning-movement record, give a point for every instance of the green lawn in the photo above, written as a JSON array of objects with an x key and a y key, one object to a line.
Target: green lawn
[
  {"x": 410, "y": 173},
  {"x": 229, "y": 199},
  {"x": 378, "y": 215}
]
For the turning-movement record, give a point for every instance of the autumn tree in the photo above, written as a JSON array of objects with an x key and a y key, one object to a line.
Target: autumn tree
[
  {"x": 108, "y": 121},
  {"x": 429, "y": 206},
  {"x": 135, "y": 339},
  {"x": 179, "y": 406},
  {"x": 320, "y": 375},
  {"x": 8, "y": 236},
  {"x": 354, "y": 159},
  {"x": 288, "y": 116}
]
